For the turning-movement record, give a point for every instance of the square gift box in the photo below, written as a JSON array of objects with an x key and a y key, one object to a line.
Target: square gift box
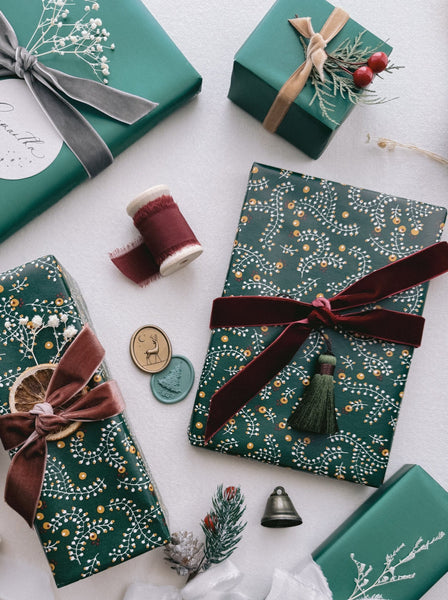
[
  {"x": 302, "y": 238},
  {"x": 273, "y": 52},
  {"x": 120, "y": 42},
  {"x": 394, "y": 546},
  {"x": 98, "y": 505}
]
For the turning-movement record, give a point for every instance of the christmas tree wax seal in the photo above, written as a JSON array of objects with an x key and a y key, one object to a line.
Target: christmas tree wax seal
[
  {"x": 173, "y": 384},
  {"x": 150, "y": 349}
]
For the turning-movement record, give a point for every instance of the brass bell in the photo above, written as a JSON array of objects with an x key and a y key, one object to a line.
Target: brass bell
[{"x": 280, "y": 511}]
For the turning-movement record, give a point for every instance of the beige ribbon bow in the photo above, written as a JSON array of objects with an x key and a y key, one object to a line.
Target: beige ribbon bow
[{"x": 315, "y": 57}]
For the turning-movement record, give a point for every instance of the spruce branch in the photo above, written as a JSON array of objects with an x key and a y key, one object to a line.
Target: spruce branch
[
  {"x": 223, "y": 532},
  {"x": 222, "y": 529}
]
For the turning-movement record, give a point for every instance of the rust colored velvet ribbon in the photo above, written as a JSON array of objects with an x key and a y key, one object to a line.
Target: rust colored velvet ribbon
[
  {"x": 315, "y": 57},
  {"x": 302, "y": 318},
  {"x": 28, "y": 430}
]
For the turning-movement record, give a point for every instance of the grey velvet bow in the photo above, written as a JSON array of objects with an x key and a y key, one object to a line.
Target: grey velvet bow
[{"x": 46, "y": 83}]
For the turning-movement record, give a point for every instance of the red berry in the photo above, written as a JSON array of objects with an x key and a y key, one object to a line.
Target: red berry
[
  {"x": 210, "y": 522},
  {"x": 230, "y": 493},
  {"x": 378, "y": 62},
  {"x": 363, "y": 76}
]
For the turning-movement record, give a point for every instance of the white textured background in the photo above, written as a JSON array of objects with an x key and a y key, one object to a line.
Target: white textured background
[{"x": 204, "y": 153}]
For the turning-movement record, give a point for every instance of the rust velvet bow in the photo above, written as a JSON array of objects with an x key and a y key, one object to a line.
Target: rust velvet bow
[
  {"x": 28, "y": 430},
  {"x": 301, "y": 318}
]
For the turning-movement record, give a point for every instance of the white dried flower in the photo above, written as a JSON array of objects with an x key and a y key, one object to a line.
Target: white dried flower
[
  {"x": 8, "y": 324},
  {"x": 70, "y": 332},
  {"x": 95, "y": 6},
  {"x": 23, "y": 320},
  {"x": 63, "y": 317},
  {"x": 53, "y": 321},
  {"x": 36, "y": 321}
]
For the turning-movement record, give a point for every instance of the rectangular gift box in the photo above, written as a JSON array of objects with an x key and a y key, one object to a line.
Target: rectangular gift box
[
  {"x": 302, "y": 237},
  {"x": 142, "y": 60},
  {"x": 273, "y": 52},
  {"x": 98, "y": 505},
  {"x": 394, "y": 546}
]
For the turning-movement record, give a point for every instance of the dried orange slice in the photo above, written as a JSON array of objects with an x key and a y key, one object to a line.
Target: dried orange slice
[{"x": 29, "y": 389}]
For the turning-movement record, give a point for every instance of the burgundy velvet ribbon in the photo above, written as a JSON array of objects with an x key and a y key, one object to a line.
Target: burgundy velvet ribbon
[
  {"x": 302, "y": 318},
  {"x": 164, "y": 231},
  {"x": 28, "y": 430}
]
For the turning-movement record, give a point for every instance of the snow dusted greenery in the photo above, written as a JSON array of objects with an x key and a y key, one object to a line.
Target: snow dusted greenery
[
  {"x": 364, "y": 585},
  {"x": 86, "y": 38},
  {"x": 222, "y": 528}
]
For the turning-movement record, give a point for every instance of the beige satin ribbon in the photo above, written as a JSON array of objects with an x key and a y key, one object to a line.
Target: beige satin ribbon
[{"x": 315, "y": 57}]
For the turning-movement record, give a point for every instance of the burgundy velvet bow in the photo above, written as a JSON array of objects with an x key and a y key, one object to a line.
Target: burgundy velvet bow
[
  {"x": 29, "y": 429},
  {"x": 301, "y": 318}
]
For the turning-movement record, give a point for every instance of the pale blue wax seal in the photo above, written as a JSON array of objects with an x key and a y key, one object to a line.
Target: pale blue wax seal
[{"x": 175, "y": 381}]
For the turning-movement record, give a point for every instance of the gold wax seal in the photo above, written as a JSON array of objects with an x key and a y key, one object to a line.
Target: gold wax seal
[{"x": 150, "y": 349}]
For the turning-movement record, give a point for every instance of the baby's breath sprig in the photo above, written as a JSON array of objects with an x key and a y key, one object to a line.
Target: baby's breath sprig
[
  {"x": 85, "y": 38},
  {"x": 349, "y": 58}
]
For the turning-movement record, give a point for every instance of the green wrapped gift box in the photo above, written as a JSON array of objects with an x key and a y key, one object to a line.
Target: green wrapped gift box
[
  {"x": 301, "y": 237},
  {"x": 394, "y": 546},
  {"x": 141, "y": 60},
  {"x": 270, "y": 56},
  {"x": 98, "y": 505}
]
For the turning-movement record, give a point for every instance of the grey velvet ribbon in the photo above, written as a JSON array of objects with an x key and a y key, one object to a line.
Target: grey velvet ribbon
[{"x": 46, "y": 84}]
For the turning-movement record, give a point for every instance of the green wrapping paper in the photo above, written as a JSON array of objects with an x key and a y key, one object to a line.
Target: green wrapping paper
[
  {"x": 98, "y": 506},
  {"x": 395, "y": 546},
  {"x": 302, "y": 237},
  {"x": 143, "y": 61},
  {"x": 269, "y": 57}
]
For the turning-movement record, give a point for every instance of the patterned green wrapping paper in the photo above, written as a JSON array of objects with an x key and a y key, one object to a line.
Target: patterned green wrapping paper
[
  {"x": 302, "y": 237},
  {"x": 98, "y": 506},
  {"x": 395, "y": 546}
]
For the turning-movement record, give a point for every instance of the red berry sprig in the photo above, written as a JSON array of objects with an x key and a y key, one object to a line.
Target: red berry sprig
[
  {"x": 230, "y": 493},
  {"x": 210, "y": 522},
  {"x": 378, "y": 62},
  {"x": 363, "y": 76},
  {"x": 365, "y": 71}
]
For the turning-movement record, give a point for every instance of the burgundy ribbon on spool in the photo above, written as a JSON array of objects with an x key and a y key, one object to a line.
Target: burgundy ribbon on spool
[
  {"x": 167, "y": 242},
  {"x": 302, "y": 318},
  {"x": 28, "y": 430}
]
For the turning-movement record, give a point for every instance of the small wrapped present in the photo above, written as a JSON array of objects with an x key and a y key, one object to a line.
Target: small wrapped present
[
  {"x": 77, "y": 471},
  {"x": 281, "y": 79},
  {"x": 317, "y": 269},
  {"x": 80, "y": 81},
  {"x": 394, "y": 547}
]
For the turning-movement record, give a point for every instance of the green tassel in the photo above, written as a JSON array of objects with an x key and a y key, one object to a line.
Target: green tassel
[{"x": 316, "y": 412}]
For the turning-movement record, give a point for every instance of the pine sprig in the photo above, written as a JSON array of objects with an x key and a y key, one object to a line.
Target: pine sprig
[
  {"x": 222, "y": 531},
  {"x": 222, "y": 528},
  {"x": 339, "y": 82}
]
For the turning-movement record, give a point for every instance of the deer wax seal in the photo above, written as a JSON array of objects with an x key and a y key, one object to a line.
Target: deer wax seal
[
  {"x": 150, "y": 349},
  {"x": 174, "y": 383}
]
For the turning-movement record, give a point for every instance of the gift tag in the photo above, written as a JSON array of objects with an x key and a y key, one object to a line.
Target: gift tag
[
  {"x": 174, "y": 383},
  {"x": 28, "y": 141},
  {"x": 150, "y": 349}
]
